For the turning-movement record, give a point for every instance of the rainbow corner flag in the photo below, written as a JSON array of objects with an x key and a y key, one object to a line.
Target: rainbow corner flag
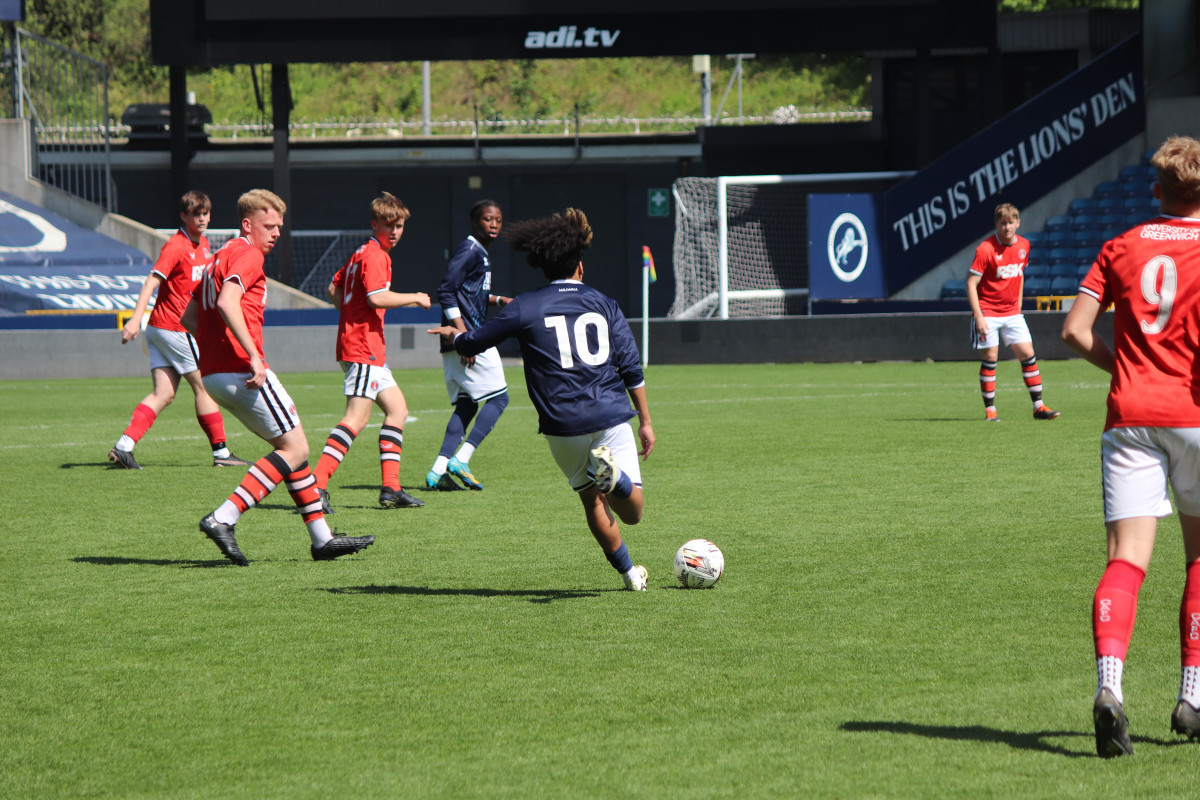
[{"x": 648, "y": 263}]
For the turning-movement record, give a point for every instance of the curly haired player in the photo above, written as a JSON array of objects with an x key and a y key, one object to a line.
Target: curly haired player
[{"x": 582, "y": 369}]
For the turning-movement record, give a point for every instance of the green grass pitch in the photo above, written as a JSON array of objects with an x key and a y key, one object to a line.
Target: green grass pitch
[{"x": 905, "y": 610}]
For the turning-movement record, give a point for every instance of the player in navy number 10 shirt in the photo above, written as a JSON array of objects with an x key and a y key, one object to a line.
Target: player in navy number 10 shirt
[{"x": 582, "y": 369}]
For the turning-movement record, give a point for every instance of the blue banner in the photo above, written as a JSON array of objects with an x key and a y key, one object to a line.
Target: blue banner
[
  {"x": 845, "y": 253},
  {"x": 1017, "y": 160}
]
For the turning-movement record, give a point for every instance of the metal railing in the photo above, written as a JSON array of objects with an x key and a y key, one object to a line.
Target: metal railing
[
  {"x": 64, "y": 94},
  {"x": 566, "y": 125}
]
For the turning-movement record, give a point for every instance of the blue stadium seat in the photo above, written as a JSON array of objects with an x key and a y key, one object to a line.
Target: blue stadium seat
[
  {"x": 1114, "y": 231},
  {"x": 1036, "y": 238},
  {"x": 1081, "y": 205},
  {"x": 1107, "y": 221},
  {"x": 1037, "y": 286},
  {"x": 1091, "y": 238},
  {"x": 1137, "y": 187},
  {"x": 1131, "y": 204},
  {"x": 1142, "y": 171},
  {"x": 1083, "y": 222},
  {"x": 1057, "y": 223},
  {"x": 954, "y": 289},
  {"x": 1059, "y": 238},
  {"x": 1064, "y": 286},
  {"x": 1108, "y": 205},
  {"x": 1135, "y": 218},
  {"x": 1059, "y": 255},
  {"x": 1149, "y": 154},
  {"x": 1082, "y": 269},
  {"x": 1107, "y": 189},
  {"x": 1087, "y": 254},
  {"x": 1041, "y": 270},
  {"x": 1039, "y": 257},
  {"x": 1063, "y": 269}
]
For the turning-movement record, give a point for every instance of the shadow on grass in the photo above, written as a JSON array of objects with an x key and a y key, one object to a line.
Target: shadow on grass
[
  {"x": 120, "y": 561},
  {"x": 1035, "y": 740},
  {"x": 533, "y": 595}
]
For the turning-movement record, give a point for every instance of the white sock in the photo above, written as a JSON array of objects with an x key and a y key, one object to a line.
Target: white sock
[
  {"x": 227, "y": 514},
  {"x": 1189, "y": 686},
  {"x": 222, "y": 453},
  {"x": 439, "y": 465},
  {"x": 318, "y": 531},
  {"x": 1109, "y": 670},
  {"x": 125, "y": 444},
  {"x": 465, "y": 452}
]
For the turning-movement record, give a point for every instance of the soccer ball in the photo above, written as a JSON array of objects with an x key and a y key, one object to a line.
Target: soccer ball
[{"x": 699, "y": 564}]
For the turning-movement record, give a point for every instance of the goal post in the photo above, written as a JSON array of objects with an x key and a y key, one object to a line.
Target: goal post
[{"x": 741, "y": 242}]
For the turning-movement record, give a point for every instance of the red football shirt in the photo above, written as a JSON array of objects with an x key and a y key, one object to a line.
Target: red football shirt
[
  {"x": 360, "y": 327},
  {"x": 1149, "y": 276},
  {"x": 1002, "y": 272},
  {"x": 180, "y": 265},
  {"x": 241, "y": 262}
]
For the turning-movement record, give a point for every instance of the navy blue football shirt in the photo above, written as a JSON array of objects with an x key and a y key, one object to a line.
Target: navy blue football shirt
[
  {"x": 580, "y": 355},
  {"x": 466, "y": 285}
]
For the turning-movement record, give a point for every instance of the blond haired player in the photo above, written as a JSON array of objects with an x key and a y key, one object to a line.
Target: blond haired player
[
  {"x": 1150, "y": 276},
  {"x": 362, "y": 291},
  {"x": 995, "y": 287},
  {"x": 226, "y": 314}
]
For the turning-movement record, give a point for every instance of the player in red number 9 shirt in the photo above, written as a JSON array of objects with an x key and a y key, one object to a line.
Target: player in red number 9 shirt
[{"x": 1150, "y": 276}]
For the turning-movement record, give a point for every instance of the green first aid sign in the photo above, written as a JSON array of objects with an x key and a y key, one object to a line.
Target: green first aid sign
[{"x": 658, "y": 203}]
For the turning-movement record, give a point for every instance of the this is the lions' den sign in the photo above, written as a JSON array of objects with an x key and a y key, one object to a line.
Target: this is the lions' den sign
[{"x": 1018, "y": 159}]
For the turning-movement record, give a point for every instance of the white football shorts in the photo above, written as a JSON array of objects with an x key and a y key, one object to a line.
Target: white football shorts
[
  {"x": 172, "y": 349},
  {"x": 269, "y": 412},
  {"x": 1007, "y": 330},
  {"x": 1140, "y": 463},
  {"x": 480, "y": 382},
  {"x": 366, "y": 380},
  {"x": 573, "y": 454}
]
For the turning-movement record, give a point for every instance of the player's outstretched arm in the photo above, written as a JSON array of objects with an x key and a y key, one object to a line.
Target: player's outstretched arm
[{"x": 390, "y": 299}]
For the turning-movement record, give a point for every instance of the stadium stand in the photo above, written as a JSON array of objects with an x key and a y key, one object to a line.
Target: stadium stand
[
  {"x": 1064, "y": 250},
  {"x": 1035, "y": 287},
  {"x": 1066, "y": 285},
  {"x": 954, "y": 289}
]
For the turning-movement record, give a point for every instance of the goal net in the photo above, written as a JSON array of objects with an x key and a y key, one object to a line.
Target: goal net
[{"x": 741, "y": 243}]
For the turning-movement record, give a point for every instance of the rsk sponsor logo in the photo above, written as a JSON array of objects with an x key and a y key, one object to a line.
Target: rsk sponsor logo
[
  {"x": 568, "y": 36},
  {"x": 1194, "y": 631},
  {"x": 1106, "y": 610},
  {"x": 1008, "y": 270}
]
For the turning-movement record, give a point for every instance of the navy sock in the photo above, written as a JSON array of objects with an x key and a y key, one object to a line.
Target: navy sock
[
  {"x": 624, "y": 487},
  {"x": 620, "y": 559},
  {"x": 464, "y": 412},
  {"x": 488, "y": 416}
]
